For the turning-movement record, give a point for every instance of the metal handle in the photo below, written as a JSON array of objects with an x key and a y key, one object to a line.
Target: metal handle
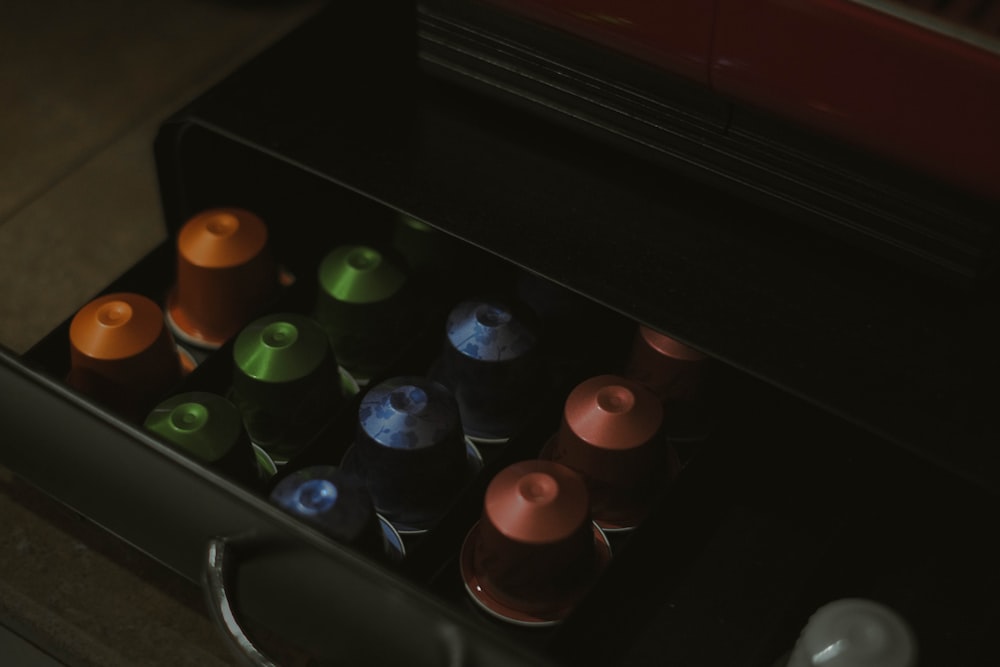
[
  {"x": 219, "y": 555},
  {"x": 426, "y": 641}
]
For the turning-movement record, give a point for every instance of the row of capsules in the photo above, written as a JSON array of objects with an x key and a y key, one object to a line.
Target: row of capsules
[
  {"x": 292, "y": 372},
  {"x": 549, "y": 523},
  {"x": 541, "y": 539}
]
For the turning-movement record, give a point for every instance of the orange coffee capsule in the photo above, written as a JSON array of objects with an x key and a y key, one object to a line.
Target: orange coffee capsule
[
  {"x": 121, "y": 352},
  {"x": 225, "y": 275}
]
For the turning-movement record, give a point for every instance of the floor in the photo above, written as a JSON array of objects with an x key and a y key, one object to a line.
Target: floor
[{"x": 83, "y": 88}]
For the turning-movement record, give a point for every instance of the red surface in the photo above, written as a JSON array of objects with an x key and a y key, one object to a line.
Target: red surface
[
  {"x": 674, "y": 35},
  {"x": 916, "y": 96},
  {"x": 873, "y": 80}
]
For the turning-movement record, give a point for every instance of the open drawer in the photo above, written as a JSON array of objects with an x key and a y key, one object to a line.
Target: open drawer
[{"x": 839, "y": 457}]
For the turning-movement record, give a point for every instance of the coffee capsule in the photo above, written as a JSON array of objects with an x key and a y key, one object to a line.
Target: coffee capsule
[
  {"x": 411, "y": 452},
  {"x": 363, "y": 305},
  {"x": 676, "y": 373},
  {"x": 671, "y": 369},
  {"x": 122, "y": 354},
  {"x": 208, "y": 427},
  {"x": 286, "y": 384},
  {"x": 225, "y": 276},
  {"x": 340, "y": 506},
  {"x": 610, "y": 434},
  {"x": 535, "y": 552},
  {"x": 490, "y": 362}
]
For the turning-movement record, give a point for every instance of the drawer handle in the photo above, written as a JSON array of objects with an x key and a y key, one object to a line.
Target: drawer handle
[
  {"x": 449, "y": 649},
  {"x": 216, "y": 570}
]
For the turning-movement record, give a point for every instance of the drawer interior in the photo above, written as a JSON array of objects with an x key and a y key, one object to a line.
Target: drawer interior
[{"x": 779, "y": 506}]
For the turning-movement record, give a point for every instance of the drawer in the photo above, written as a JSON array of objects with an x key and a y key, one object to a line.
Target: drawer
[{"x": 843, "y": 440}]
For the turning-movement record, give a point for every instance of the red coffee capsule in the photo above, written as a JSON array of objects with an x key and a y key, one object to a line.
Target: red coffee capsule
[
  {"x": 535, "y": 552},
  {"x": 121, "y": 352},
  {"x": 610, "y": 435},
  {"x": 225, "y": 276},
  {"x": 671, "y": 369},
  {"x": 676, "y": 373}
]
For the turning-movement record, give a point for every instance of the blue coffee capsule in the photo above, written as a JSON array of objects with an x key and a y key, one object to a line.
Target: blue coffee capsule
[
  {"x": 340, "y": 506},
  {"x": 490, "y": 362},
  {"x": 411, "y": 452}
]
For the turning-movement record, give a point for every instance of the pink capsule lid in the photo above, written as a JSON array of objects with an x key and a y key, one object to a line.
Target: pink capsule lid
[
  {"x": 612, "y": 412},
  {"x": 670, "y": 347},
  {"x": 537, "y": 502}
]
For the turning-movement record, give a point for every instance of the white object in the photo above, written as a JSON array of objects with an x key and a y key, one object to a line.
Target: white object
[{"x": 855, "y": 633}]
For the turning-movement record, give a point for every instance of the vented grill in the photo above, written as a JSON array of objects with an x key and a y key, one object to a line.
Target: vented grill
[{"x": 981, "y": 15}]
